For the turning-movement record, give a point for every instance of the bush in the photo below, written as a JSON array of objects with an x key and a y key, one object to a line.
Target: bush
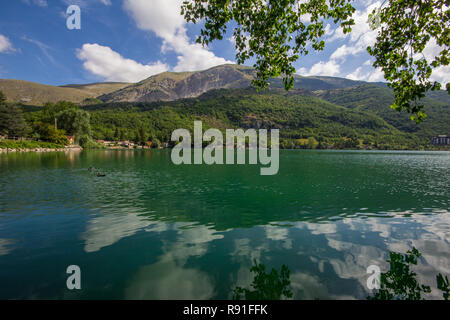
[
  {"x": 156, "y": 143},
  {"x": 16, "y": 144},
  {"x": 48, "y": 133},
  {"x": 86, "y": 142}
]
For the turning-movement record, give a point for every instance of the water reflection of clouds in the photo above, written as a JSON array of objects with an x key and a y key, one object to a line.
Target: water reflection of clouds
[
  {"x": 167, "y": 280},
  {"x": 276, "y": 233},
  {"x": 350, "y": 245},
  {"x": 428, "y": 233},
  {"x": 169, "y": 277},
  {"x": 310, "y": 287},
  {"x": 105, "y": 230},
  {"x": 123, "y": 215},
  {"x": 6, "y": 246}
]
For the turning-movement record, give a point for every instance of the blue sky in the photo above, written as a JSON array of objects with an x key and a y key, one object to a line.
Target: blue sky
[{"x": 130, "y": 40}]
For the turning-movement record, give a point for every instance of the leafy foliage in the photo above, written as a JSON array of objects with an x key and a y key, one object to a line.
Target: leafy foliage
[
  {"x": 68, "y": 117},
  {"x": 400, "y": 283},
  {"x": 266, "y": 286},
  {"x": 47, "y": 132},
  {"x": 443, "y": 285},
  {"x": 274, "y": 33},
  {"x": 407, "y": 26},
  {"x": 12, "y": 122},
  {"x": 17, "y": 144},
  {"x": 86, "y": 142},
  {"x": 51, "y": 110},
  {"x": 2, "y": 98},
  {"x": 74, "y": 122},
  {"x": 271, "y": 31}
]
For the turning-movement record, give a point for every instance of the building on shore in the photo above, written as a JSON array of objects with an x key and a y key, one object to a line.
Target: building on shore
[
  {"x": 441, "y": 140},
  {"x": 106, "y": 143}
]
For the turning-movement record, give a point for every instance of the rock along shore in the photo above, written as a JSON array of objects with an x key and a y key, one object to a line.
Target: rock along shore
[{"x": 69, "y": 148}]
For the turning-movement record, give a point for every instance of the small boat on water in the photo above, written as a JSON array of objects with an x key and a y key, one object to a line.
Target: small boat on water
[{"x": 101, "y": 174}]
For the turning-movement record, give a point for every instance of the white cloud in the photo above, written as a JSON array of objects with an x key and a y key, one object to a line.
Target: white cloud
[
  {"x": 358, "y": 74},
  {"x": 80, "y": 3},
  {"x": 306, "y": 18},
  {"x": 86, "y": 3},
  {"x": 44, "y": 48},
  {"x": 441, "y": 75},
  {"x": 359, "y": 38},
  {"x": 343, "y": 51},
  {"x": 193, "y": 56},
  {"x": 164, "y": 19},
  {"x": 356, "y": 43},
  {"x": 370, "y": 74},
  {"x": 5, "y": 44},
  {"x": 376, "y": 75},
  {"x": 362, "y": 36},
  {"x": 40, "y": 3},
  {"x": 104, "y": 62},
  {"x": 329, "y": 68},
  {"x": 431, "y": 51}
]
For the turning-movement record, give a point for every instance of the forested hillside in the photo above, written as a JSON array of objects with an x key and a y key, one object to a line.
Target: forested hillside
[
  {"x": 304, "y": 120},
  {"x": 377, "y": 99}
]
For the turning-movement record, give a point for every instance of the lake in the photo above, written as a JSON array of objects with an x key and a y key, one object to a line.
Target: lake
[{"x": 152, "y": 230}]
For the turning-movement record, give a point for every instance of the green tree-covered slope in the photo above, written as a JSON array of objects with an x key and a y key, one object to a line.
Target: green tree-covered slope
[
  {"x": 377, "y": 99},
  {"x": 304, "y": 120}
]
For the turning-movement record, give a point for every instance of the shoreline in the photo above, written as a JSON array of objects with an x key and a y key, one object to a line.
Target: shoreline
[
  {"x": 40, "y": 149},
  {"x": 78, "y": 148}
]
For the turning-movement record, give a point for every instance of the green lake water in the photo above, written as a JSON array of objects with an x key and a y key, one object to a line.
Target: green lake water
[{"x": 153, "y": 230}]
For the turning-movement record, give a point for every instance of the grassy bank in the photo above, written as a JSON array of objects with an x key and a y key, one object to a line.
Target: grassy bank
[{"x": 26, "y": 144}]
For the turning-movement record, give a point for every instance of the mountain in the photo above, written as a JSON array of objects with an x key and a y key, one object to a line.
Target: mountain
[
  {"x": 31, "y": 93},
  {"x": 98, "y": 88},
  {"x": 170, "y": 86}
]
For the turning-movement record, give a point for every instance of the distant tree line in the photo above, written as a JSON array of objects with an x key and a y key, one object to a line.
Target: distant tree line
[{"x": 305, "y": 121}]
